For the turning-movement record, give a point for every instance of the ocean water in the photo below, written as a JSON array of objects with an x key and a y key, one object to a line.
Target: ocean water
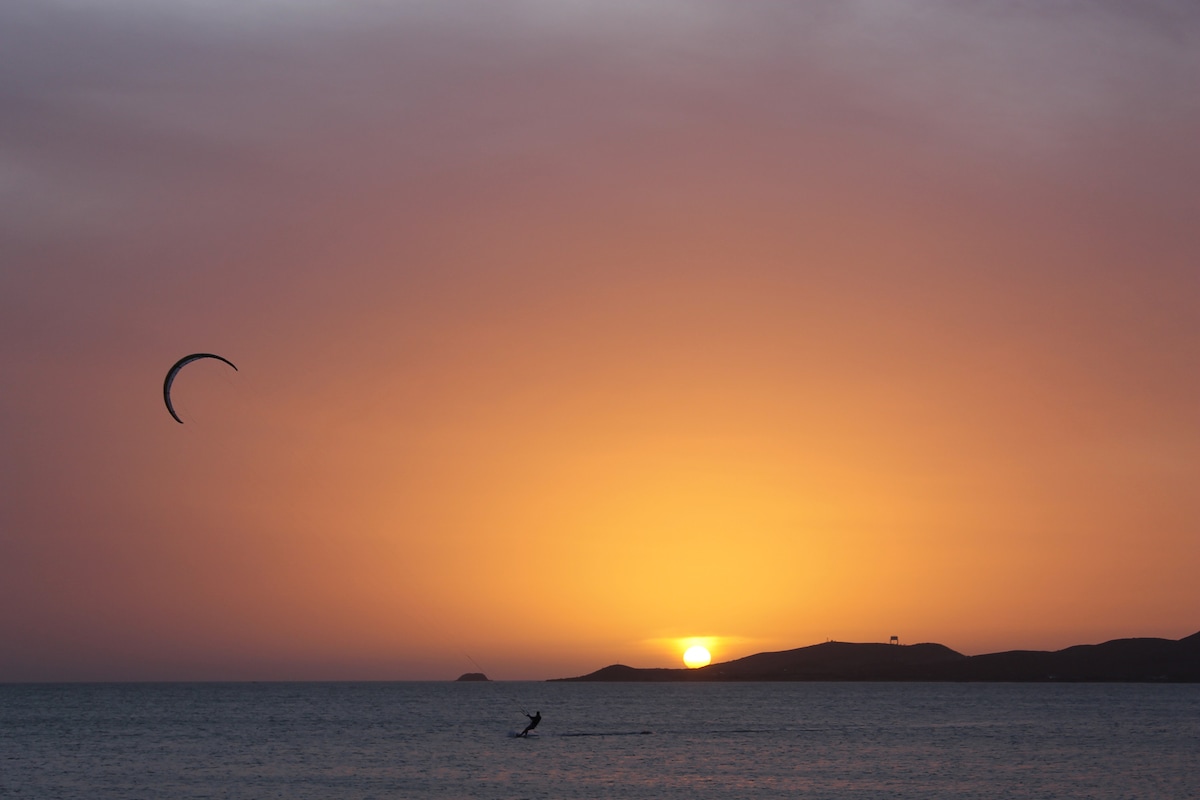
[{"x": 706, "y": 740}]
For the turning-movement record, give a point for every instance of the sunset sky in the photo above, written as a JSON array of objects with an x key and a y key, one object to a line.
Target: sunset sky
[{"x": 570, "y": 332}]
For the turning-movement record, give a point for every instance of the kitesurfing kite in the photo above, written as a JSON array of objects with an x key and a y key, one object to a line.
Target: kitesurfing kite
[{"x": 174, "y": 370}]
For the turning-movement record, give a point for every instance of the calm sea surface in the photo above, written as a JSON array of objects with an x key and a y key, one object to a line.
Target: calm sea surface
[{"x": 451, "y": 740}]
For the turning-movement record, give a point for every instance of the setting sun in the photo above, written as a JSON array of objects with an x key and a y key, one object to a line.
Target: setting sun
[{"x": 696, "y": 656}]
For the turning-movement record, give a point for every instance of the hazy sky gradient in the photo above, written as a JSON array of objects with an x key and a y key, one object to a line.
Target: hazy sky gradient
[{"x": 569, "y": 331}]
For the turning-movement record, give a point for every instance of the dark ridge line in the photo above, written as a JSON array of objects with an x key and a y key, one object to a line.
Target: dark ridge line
[{"x": 1139, "y": 660}]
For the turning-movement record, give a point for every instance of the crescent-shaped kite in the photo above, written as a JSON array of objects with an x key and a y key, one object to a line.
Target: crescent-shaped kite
[{"x": 174, "y": 370}]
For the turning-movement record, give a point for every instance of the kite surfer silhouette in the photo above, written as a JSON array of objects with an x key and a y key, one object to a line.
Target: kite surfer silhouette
[{"x": 534, "y": 719}]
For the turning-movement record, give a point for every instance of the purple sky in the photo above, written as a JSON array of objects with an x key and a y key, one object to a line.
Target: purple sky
[{"x": 771, "y": 301}]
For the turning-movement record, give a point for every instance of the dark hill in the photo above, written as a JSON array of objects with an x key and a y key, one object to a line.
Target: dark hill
[
  {"x": 834, "y": 661},
  {"x": 1118, "y": 660}
]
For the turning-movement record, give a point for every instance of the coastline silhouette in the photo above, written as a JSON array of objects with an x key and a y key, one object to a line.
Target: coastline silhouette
[{"x": 1140, "y": 660}]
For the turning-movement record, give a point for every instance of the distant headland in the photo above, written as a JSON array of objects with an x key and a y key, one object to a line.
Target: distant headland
[
  {"x": 1121, "y": 660},
  {"x": 472, "y": 676}
]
